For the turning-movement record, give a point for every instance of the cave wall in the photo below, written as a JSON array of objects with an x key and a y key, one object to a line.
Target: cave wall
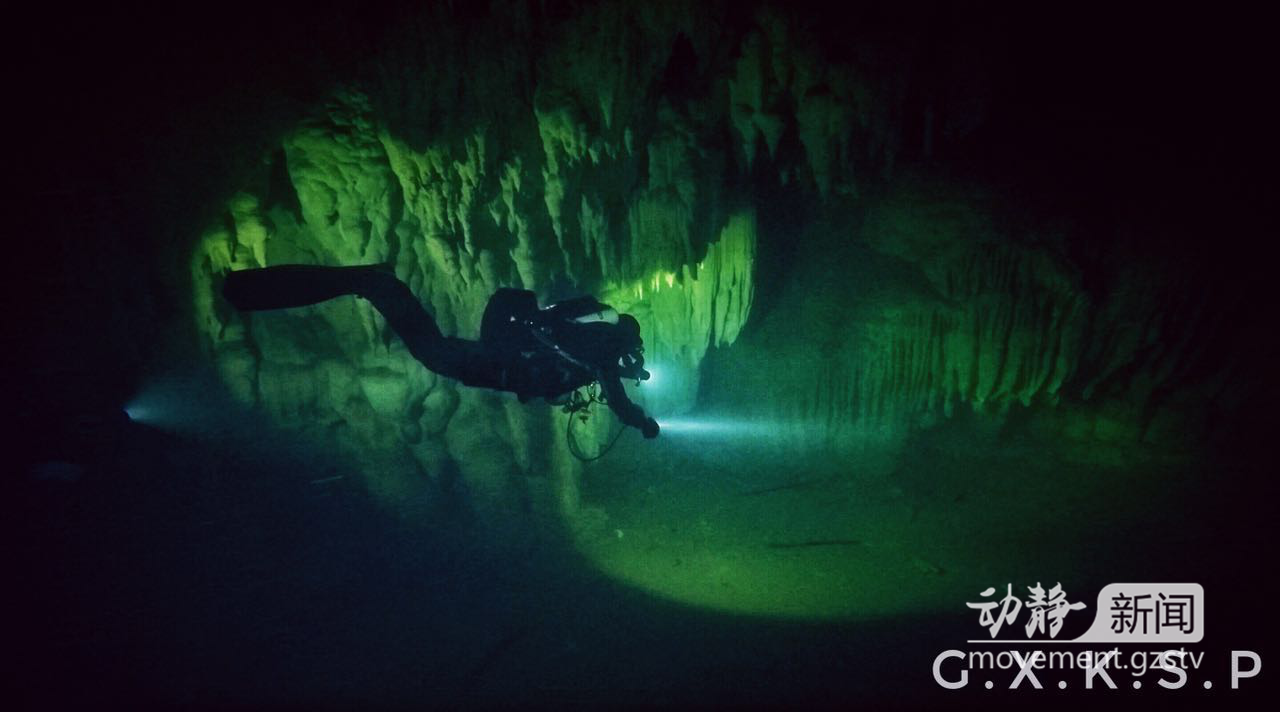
[
  {"x": 626, "y": 150},
  {"x": 572, "y": 182},
  {"x": 934, "y": 301}
]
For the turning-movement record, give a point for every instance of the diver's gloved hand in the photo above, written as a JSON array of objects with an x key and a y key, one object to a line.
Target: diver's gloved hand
[{"x": 650, "y": 428}]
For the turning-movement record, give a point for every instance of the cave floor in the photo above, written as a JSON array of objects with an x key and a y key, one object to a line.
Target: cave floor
[
  {"x": 872, "y": 534},
  {"x": 189, "y": 570}
]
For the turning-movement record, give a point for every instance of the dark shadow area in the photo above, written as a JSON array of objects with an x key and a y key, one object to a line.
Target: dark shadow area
[
  {"x": 180, "y": 569},
  {"x": 218, "y": 560}
]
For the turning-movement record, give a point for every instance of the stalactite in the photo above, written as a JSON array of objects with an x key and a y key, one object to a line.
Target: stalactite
[
  {"x": 553, "y": 158},
  {"x": 457, "y": 221},
  {"x": 941, "y": 310}
]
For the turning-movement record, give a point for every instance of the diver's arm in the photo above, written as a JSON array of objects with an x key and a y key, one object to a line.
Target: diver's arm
[{"x": 629, "y": 413}]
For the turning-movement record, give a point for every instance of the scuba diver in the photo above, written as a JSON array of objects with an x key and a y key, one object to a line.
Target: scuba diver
[{"x": 534, "y": 352}]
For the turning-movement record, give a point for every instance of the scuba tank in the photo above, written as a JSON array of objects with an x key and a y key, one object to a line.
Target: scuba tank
[
  {"x": 579, "y": 310},
  {"x": 569, "y": 332},
  {"x": 549, "y": 325}
]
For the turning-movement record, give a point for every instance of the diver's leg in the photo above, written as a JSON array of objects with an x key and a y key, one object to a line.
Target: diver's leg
[
  {"x": 287, "y": 286},
  {"x": 460, "y": 359},
  {"x": 412, "y": 323}
]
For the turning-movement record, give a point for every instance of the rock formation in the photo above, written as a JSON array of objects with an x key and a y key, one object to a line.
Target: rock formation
[{"x": 623, "y": 149}]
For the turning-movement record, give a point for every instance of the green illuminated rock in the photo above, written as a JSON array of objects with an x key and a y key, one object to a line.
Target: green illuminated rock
[
  {"x": 928, "y": 306},
  {"x": 626, "y": 150},
  {"x": 593, "y": 192}
]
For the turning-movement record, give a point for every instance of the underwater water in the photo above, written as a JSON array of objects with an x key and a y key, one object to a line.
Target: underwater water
[
  {"x": 945, "y": 306},
  {"x": 226, "y": 562}
]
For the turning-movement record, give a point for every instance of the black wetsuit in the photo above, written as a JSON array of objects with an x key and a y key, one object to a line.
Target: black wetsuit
[{"x": 510, "y": 355}]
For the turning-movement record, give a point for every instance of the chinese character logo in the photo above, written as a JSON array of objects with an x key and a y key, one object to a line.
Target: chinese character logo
[
  {"x": 1147, "y": 613},
  {"x": 1126, "y": 613},
  {"x": 1043, "y": 608}
]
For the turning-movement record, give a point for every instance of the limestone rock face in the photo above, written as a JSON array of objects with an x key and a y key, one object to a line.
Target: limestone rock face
[
  {"x": 930, "y": 304},
  {"x": 597, "y": 185},
  {"x": 625, "y": 150}
]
